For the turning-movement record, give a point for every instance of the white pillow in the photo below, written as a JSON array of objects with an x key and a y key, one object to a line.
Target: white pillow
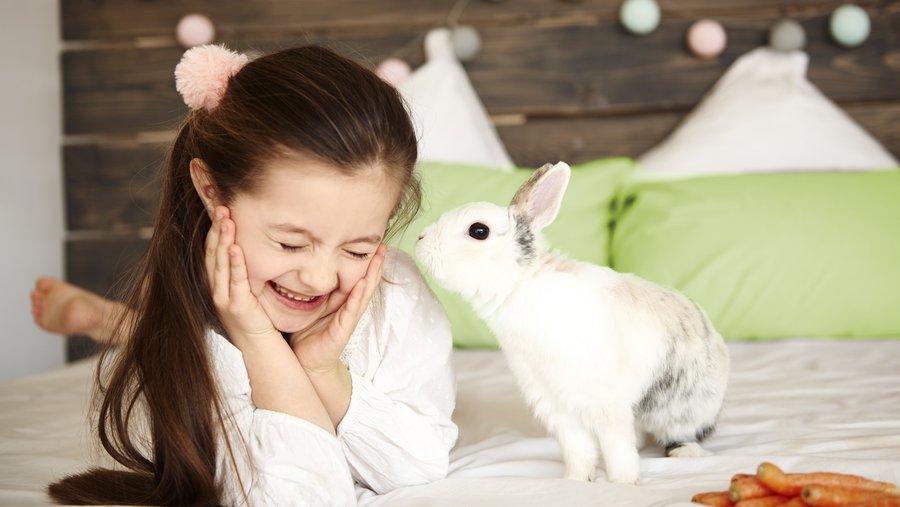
[
  {"x": 764, "y": 115},
  {"x": 450, "y": 120}
]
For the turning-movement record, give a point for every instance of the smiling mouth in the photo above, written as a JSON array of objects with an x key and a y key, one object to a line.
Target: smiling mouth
[
  {"x": 297, "y": 301},
  {"x": 293, "y": 295}
]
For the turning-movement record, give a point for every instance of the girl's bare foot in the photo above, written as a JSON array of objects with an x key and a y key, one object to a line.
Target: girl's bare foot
[{"x": 62, "y": 308}]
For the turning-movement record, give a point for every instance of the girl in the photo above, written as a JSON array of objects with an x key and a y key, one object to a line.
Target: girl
[{"x": 273, "y": 365}]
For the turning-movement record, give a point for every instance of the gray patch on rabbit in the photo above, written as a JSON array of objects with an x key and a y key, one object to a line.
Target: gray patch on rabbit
[
  {"x": 655, "y": 396},
  {"x": 673, "y": 384},
  {"x": 667, "y": 386},
  {"x": 525, "y": 240}
]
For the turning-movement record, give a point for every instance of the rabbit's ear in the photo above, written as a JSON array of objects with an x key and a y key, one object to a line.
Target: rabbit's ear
[{"x": 538, "y": 199}]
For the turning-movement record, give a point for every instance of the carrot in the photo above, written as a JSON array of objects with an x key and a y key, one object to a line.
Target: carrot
[
  {"x": 715, "y": 498},
  {"x": 746, "y": 488},
  {"x": 794, "y": 502},
  {"x": 763, "y": 501},
  {"x": 792, "y": 484},
  {"x": 825, "y": 495},
  {"x": 887, "y": 501}
]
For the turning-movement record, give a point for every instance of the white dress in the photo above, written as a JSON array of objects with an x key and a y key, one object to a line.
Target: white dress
[{"x": 397, "y": 430}]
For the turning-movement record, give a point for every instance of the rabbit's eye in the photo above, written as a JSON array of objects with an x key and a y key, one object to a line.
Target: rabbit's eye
[{"x": 479, "y": 231}]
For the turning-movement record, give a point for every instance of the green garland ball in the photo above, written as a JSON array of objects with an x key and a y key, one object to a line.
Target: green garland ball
[
  {"x": 849, "y": 25},
  {"x": 639, "y": 17}
]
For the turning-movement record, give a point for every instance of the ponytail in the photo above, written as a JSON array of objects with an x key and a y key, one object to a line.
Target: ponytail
[{"x": 165, "y": 366}]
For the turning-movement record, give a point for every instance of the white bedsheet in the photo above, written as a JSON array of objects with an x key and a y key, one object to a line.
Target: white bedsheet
[{"x": 803, "y": 404}]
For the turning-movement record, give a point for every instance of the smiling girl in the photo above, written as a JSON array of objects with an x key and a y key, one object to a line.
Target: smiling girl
[{"x": 278, "y": 350}]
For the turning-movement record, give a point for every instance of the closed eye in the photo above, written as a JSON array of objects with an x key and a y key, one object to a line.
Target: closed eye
[
  {"x": 290, "y": 248},
  {"x": 358, "y": 255}
]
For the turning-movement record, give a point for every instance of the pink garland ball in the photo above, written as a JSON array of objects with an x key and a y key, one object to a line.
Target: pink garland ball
[
  {"x": 195, "y": 30},
  {"x": 393, "y": 71},
  {"x": 706, "y": 38}
]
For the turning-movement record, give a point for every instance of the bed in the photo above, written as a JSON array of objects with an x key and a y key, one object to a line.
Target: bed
[
  {"x": 771, "y": 201},
  {"x": 804, "y": 404}
]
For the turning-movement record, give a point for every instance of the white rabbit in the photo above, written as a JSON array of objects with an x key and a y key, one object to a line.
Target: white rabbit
[{"x": 603, "y": 358}]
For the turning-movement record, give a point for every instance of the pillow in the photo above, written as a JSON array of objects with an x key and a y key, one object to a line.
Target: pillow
[
  {"x": 771, "y": 255},
  {"x": 581, "y": 229},
  {"x": 764, "y": 115},
  {"x": 450, "y": 121}
]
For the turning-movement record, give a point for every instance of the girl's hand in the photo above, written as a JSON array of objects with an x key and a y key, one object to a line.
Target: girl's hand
[
  {"x": 319, "y": 348},
  {"x": 240, "y": 311},
  {"x": 279, "y": 382}
]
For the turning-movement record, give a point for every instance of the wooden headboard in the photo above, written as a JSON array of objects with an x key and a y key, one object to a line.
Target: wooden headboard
[{"x": 561, "y": 79}]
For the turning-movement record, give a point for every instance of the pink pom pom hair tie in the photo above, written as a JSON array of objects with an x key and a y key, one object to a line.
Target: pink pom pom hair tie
[{"x": 201, "y": 77}]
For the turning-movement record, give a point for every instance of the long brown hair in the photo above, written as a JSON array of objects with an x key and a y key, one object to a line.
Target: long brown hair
[{"x": 308, "y": 101}]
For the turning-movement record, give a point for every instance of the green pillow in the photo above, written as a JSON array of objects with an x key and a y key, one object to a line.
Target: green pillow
[
  {"x": 581, "y": 229},
  {"x": 771, "y": 255}
]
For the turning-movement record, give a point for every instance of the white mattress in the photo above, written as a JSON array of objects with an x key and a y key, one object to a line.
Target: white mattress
[{"x": 803, "y": 404}]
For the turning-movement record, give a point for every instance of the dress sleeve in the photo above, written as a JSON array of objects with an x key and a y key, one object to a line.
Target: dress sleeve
[
  {"x": 398, "y": 429},
  {"x": 272, "y": 458}
]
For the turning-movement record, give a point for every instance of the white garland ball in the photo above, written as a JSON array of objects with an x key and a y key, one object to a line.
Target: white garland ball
[
  {"x": 787, "y": 35},
  {"x": 466, "y": 42}
]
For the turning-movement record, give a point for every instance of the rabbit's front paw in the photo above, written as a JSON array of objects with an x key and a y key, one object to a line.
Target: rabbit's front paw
[
  {"x": 582, "y": 470},
  {"x": 624, "y": 476},
  {"x": 624, "y": 468}
]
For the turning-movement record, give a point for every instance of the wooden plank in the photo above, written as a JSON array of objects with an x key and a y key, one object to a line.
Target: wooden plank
[
  {"x": 79, "y": 347},
  {"x": 573, "y": 69},
  {"x": 577, "y": 140},
  {"x": 543, "y": 13},
  {"x": 100, "y": 265},
  {"x": 135, "y": 19},
  {"x": 882, "y": 121},
  {"x": 120, "y": 92},
  {"x": 90, "y": 19},
  {"x": 126, "y": 91},
  {"x": 597, "y": 69},
  {"x": 112, "y": 187}
]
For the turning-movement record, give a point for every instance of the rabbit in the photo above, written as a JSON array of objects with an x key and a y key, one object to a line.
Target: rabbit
[{"x": 602, "y": 358}]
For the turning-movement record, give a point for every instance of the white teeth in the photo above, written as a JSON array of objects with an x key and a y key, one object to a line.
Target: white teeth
[{"x": 286, "y": 293}]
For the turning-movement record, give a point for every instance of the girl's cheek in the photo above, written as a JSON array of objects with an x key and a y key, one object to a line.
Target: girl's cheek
[
  {"x": 256, "y": 276},
  {"x": 351, "y": 277}
]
